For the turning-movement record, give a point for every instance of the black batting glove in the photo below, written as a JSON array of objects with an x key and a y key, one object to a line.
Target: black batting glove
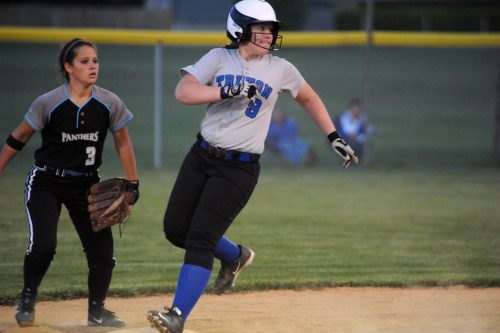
[
  {"x": 244, "y": 89},
  {"x": 342, "y": 149}
]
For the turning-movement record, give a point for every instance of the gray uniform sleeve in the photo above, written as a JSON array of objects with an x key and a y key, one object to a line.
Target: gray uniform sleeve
[
  {"x": 204, "y": 69},
  {"x": 292, "y": 80},
  {"x": 38, "y": 114},
  {"x": 120, "y": 116}
]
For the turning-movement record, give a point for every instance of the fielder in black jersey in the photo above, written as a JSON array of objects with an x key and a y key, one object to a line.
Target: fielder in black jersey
[{"x": 73, "y": 120}]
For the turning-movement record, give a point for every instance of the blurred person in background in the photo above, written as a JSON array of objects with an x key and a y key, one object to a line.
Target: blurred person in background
[
  {"x": 353, "y": 126},
  {"x": 284, "y": 139},
  {"x": 73, "y": 120}
]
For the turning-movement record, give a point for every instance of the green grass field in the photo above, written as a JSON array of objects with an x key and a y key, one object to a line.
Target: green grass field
[{"x": 424, "y": 210}]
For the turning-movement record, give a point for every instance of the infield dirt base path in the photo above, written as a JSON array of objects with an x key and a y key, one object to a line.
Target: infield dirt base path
[{"x": 346, "y": 310}]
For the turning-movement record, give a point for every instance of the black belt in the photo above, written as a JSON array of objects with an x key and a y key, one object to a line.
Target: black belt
[
  {"x": 60, "y": 172},
  {"x": 226, "y": 154}
]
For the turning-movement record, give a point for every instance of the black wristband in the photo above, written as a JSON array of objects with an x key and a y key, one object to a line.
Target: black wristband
[
  {"x": 333, "y": 136},
  {"x": 133, "y": 185},
  {"x": 14, "y": 143}
]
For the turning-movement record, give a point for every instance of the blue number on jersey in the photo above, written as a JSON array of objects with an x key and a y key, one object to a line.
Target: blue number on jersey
[{"x": 253, "y": 108}]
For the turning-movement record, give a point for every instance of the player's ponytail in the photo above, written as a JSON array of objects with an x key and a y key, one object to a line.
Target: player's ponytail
[{"x": 232, "y": 45}]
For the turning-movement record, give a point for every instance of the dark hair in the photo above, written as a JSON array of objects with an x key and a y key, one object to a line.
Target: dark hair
[
  {"x": 355, "y": 102},
  {"x": 232, "y": 45},
  {"x": 68, "y": 53}
]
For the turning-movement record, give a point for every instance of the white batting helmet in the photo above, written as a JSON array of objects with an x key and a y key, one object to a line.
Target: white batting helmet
[{"x": 247, "y": 12}]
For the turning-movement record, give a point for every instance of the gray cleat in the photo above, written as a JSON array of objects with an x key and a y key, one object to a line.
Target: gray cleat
[
  {"x": 229, "y": 271},
  {"x": 25, "y": 313},
  {"x": 171, "y": 321},
  {"x": 101, "y": 316}
]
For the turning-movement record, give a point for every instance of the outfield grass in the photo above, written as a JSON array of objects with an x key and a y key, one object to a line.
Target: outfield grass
[
  {"x": 325, "y": 227},
  {"x": 423, "y": 211}
]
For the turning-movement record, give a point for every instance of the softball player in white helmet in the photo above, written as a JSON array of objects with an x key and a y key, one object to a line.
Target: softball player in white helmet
[{"x": 240, "y": 83}]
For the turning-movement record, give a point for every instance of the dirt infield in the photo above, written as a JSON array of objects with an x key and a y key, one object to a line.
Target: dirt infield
[{"x": 346, "y": 310}]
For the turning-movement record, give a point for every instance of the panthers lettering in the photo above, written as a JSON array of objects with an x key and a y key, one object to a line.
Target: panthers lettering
[{"x": 67, "y": 137}]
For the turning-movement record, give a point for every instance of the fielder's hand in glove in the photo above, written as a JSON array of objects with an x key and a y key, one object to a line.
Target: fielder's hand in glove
[
  {"x": 110, "y": 201},
  {"x": 244, "y": 89},
  {"x": 343, "y": 149}
]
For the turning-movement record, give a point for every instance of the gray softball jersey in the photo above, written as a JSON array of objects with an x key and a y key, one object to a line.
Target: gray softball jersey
[
  {"x": 240, "y": 124},
  {"x": 73, "y": 136}
]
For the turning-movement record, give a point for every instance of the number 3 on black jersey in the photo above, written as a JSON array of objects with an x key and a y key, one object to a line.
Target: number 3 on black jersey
[{"x": 90, "y": 155}]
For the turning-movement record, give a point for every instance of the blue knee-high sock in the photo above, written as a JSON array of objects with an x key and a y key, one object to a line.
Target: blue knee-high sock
[
  {"x": 190, "y": 286},
  {"x": 226, "y": 250}
]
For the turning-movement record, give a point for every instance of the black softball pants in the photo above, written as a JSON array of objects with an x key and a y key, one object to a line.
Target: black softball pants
[
  {"x": 208, "y": 194},
  {"x": 44, "y": 196}
]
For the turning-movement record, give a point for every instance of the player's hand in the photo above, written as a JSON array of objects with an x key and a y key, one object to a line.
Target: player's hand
[
  {"x": 342, "y": 149},
  {"x": 244, "y": 89}
]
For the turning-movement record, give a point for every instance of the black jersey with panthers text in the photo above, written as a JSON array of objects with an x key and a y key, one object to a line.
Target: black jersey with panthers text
[{"x": 73, "y": 136}]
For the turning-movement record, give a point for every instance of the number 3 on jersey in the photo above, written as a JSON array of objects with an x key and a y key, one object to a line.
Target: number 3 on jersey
[
  {"x": 253, "y": 108},
  {"x": 90, "y": 155}
]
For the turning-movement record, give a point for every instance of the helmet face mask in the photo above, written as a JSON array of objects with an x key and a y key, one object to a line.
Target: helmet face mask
[
  {"x": 249, "y": 12},
  {"x": 252, "y": 37}
]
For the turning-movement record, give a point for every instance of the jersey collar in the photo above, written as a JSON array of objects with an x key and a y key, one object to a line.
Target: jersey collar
[{"x": 68, "y": 96}]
